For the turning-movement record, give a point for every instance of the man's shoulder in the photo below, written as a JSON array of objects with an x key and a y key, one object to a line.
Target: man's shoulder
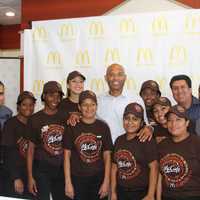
[{"x": 4, "y": 110}]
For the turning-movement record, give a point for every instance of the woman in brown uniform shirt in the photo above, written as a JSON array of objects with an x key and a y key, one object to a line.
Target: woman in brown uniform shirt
[
  {"x": 45, "y": 152},
  {"x": 75, "y": 85},
  {"x": 87, "y": 154},
  {"x": 135, "y": 167},
  {"x": 16, "y": 145},
  {"x": 179, "y": 160},
  {"x": 160, "y": 109}
]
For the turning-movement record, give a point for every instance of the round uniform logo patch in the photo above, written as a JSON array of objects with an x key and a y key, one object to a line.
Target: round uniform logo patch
[
  {"x": 89, "y": 147},
  {"x": 52, "y": 136},
  {"x": 127, "y": 166},
  {"x": 22, "y": 146},
  {"x": 175, "y": 170}
]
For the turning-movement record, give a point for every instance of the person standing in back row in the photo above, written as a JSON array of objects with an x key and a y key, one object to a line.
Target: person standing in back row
[
  {"x": 15, "y": 140},
  {"x": 181, "y": 87},
  {"x": 45, "y": 152}
]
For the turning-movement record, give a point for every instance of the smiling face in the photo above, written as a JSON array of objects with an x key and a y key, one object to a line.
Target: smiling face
[
  {"x": 181, "y": 92},
  {"x": 76, "y": 85},
  {"x": 149, "y": 96},
  {"x": 115, "y": 78},
  {"x": 52, "y": 100},
  {"x": 26, "y": 107},
  {"x": 132, "y": 123},
  {"x": 177, "y": 126},
  {"x": 159, "y": 112},
  {"x": 88, "y": 108}
]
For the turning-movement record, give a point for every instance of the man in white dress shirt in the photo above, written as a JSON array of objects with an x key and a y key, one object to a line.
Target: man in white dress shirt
[{"x": 111, "y": 105}]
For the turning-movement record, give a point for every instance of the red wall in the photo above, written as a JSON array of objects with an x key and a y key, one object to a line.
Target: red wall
[
  {"x": 33, "y": 10},
  {"x": 192, "y": 3},
  {"x": 10, "y": 37}
]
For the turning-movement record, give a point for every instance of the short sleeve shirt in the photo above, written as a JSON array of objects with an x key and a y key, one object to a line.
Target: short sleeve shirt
[
  {"x": 46, "y": 132},
  {"x": 87, "y": 143},
  {"x": 15, "y": 136},
  {"x": 180, "y": 167},
  {"x": 132, "y": 158},
  {"x": 66, "y": 107}
]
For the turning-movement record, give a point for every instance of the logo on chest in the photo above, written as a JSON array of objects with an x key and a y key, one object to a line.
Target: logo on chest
[
  {"x": 23, "y": 146},
  {"x": 127, "y": 165},
  {"x": 89, "y": 147},
  {"x": 52, "y": 136},
  {"x": 175, "y": 170}
]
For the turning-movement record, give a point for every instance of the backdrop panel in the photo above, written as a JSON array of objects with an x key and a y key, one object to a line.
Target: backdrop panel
[{"x": 149, "y": 46}]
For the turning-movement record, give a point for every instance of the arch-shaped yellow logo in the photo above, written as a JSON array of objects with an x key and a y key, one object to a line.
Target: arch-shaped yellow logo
[
  {"x": 54, "y": 58},
  {"x": 40, "y": 34},
  {"x": 144, "y": 56},
  {"x": 82, "y": 58},
  {"x": 178, "y": 55},
  {"x": 159, "y": 26},
  {"x": 192, "y": 24},
  {"x": 127, "y": 26},
  {"x": 96, "y": 29},
  {"x": 112, "y": 55},
  {"x": 67, "y": 32}
]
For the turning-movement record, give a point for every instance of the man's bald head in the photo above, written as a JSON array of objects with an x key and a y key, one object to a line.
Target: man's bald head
[{"x": 115, "y": 77}]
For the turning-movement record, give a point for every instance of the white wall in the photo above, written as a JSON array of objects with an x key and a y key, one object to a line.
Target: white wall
[
  {"x": 139, "y": 6},
  {"x": 10, "y": 76}
]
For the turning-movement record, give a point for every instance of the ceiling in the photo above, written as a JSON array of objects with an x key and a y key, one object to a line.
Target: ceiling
[{"x": 10, "y": 5}]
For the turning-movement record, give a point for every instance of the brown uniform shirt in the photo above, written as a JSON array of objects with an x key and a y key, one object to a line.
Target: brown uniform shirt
[
  {"x": 132, "y": 158},
  {"x": 46, "y": 132},
  {"x": 66, "y": 107},
  {"x": 160, "y": 133},
  {"x": 180, "y": 167},
  {"x": 87, "y": 143},
  {"x": 16, "y": 145}
]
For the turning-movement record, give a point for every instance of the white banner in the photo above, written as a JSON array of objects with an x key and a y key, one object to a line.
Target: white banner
[{"x": 150, "y": 46}]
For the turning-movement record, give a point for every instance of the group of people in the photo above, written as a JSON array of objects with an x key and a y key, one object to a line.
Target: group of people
[{"x": 118, "y": 146}]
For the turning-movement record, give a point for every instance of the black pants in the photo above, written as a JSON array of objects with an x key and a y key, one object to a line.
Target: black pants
[
  {"x": 11, "y": 191},
  {"x": 181, "y": 198},
  {"x": 87, "y": 188},
  {"x": 127, "y": 194},
  {"x": 49, "y": 179}
]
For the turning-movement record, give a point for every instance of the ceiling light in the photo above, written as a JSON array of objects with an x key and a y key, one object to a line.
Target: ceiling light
[{"x": 10, "y": 14}]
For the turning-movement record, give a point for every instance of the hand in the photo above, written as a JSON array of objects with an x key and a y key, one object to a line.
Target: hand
[
  {"x": 19, "y": 186},
  {"x": 145, "y": 134},
  {"x": 148, "y": 197},
  {"x": 32, "y": 186},
  {"x": 69, "y": 190},
  {"x": 74, "y": 118},
  {"x": 113, "y": 196},
  {"x": 104, "y": 189}
]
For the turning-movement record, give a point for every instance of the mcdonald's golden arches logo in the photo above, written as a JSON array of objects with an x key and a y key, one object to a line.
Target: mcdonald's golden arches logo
[
  {"x": 38, "y": 86},
  {"x": 160, "y": 26},
  {"x": 96, "y": 29},
  {"x": 67, "y": 32},
  {"x": 127, "y": 26},
  {"x": 144, "y": 56},
  {"x": 192, "y": 24},
  {"x": 82, "y": 58},
  {"x": 54, "y": 58},
  {"x": 112, "y": 55},
  {"x": 40, "y": 34},
  {"x": 97, "y": 85},
  {"x": 178, "y": 55}
]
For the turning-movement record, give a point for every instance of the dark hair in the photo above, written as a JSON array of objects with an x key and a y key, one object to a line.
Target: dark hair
[
  {"x": 43, "y": 100},
  {"x": 1, "y": 83},
  {"x": 181, "y": 77}
]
